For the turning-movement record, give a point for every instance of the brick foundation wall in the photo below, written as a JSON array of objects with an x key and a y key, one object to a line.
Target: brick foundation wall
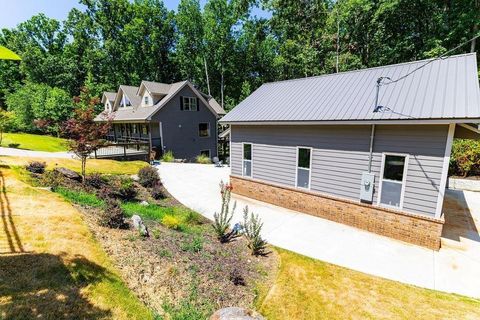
[{"x": 411, "y": 228}]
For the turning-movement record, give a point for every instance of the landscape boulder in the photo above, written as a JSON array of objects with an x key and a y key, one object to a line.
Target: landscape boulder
[
  {"x": 70, "y": 174},
  {"x": 235, "y": 313},
  {"x": 139, "y": 225}
]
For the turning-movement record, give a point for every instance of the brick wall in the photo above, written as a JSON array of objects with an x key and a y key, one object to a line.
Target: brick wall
[{"x": 412, "y": 228}]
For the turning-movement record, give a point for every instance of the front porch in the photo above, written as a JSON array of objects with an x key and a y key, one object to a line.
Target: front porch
[{"x": 132, "y": 141}]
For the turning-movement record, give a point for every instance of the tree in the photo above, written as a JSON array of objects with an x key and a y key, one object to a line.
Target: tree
[
  {"x": 85, "y": 134},
  {"x": 5, "y": 122}
]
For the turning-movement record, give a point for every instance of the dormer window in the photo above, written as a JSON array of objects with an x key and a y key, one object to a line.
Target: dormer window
[
  {"x": 189, "y": 104},
  {"x": 146, "y": 100},
  {"x": 125, "y": 102}
]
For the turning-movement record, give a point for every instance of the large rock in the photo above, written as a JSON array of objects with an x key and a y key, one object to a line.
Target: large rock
[
  {"x": 139, "y": 225},
  {"x": 235, "y": 313},
  {"x": 70, "y": 174}
]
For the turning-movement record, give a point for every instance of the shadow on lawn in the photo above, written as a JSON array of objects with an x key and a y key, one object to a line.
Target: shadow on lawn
[
  {"x": 45, "y": 286},
  {"x": 14, "y": 244}
]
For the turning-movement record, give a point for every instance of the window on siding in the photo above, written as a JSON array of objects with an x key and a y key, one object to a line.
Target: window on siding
[
  {"x": 303, "y": 167},
  {"x": 204, "y": 129},
  {"x": 205, "y": 152},
  {"x": 190, "y": 103},
  {"x": 247, "y": 160},
  {"x": 392, "y": 181},
  {"x": 144, "y": 129}
]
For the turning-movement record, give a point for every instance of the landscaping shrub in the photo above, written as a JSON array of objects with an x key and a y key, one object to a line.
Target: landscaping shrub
[
  {"x": 222, "y": 220},
  {"x": 95, "y": 180},
  {"x": 52, "y": 179},
  {"x": 203, "y": 159},
  {"x": 105, "y": 192},
  {"x": 36, "y": 167},
  {"x": 252, "y": 227},
  {"x": 168, "y": 157},
  {"x": 194, "y": 245},
  {"x": 237, "y": 278},
  {"x": 123, "y": 188},
  {"x": 171, "y": 222},
  {"x": 465, "y": 157},
  {"x": 192, "y": 217},
  {"x": 157, "y": 192},
  {"x": 112, "y": 216},
  {"x": 148, "y": 177}
]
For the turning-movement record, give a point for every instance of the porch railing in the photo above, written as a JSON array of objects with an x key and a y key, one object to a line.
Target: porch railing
[{"x": 124, "y": 150}]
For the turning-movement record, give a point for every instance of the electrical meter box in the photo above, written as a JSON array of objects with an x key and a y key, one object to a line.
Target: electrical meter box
[{"x": 366, "y": 188}]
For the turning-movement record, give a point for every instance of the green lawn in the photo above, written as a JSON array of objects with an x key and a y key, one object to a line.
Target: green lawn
[{"x": 34, "y": 142}]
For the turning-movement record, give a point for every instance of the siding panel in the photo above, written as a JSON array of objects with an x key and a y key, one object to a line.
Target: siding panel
[{"x": 340, "y": 155}]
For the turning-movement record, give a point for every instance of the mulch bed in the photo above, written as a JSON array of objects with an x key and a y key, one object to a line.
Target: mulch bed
[{"x": 173, "y": 269}]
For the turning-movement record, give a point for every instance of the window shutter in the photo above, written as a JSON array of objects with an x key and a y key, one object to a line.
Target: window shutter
[
  {"x": 198, "y": 104},
  {"x": 181, "y": 103}
]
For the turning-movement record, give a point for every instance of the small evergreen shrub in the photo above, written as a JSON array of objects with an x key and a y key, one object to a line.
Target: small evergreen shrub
[
  {"x": 252, "y": 226},
  {"x": 123, "y": 188},
  {"x": 105, "y": 192},
  {"x": 221, "y": 223},
  {"x": 148, "y": 177},
  {"x": 95, "y": 180},
  {"x": 157, "y": 192},
  {"x": 36, "y": 167},
  {"x": 112, "y": 216},
  {"x": 171, "y": 222},
  {"x": 203, "y": 159},
  {"x": 168, "y": 157}
]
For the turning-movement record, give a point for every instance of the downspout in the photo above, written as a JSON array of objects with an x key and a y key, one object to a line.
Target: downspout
[{"x": 372, "y": 135}]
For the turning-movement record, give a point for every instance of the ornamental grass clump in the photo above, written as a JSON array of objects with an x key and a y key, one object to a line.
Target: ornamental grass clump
[
  {"x": 168, "y": 157},
  {"x": 222, "y": 220},
  {"x": 252, "y": 228}
]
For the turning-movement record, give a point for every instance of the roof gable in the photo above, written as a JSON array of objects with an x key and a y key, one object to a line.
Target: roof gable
[{"x": 443, "y": 89}]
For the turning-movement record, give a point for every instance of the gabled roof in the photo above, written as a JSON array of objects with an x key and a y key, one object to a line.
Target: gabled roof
[
  {"x": 145, "y": 113},
  {"x": 155, "y": 87},
  {"x": 110, "y": 96},
  {"x": 442, "y": 89}
]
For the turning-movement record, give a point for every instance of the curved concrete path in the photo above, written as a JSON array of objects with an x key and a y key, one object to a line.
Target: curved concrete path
[
  {"x": 34, "y": 154},
  {"x": 455, "y": 268}
]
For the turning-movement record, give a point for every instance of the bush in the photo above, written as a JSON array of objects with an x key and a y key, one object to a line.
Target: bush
[
  {"x": 112, "y": 216},
  {"x": 148, "y": 177},
  {"x": 157, "y": 192},
  {"x": 171, "y": 222},
  {"x": 52, "y": 179},
  {"x": 95, "y": 180},
  {"x": 203, "y": 159},
  {"x": 123, "y": 188},
  {"x": 192, "y": 217},
  {"x": 465, "y": 157},
  {"x": 222, "y": 220},
  {"x": 168, "y": 157},
  {"x": 36, "y": 167},
  {"x": 252, "y": 227},
  {"x": 105, "y": 192}
]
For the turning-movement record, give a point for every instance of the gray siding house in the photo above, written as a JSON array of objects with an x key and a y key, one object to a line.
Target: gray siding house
[
  {"x": 165, "y": 117},
  {"x": 368, "y": 148}
]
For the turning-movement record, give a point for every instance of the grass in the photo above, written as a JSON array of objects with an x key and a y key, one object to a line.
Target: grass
[
  {"x": 80, "y": 197},
  {"x": 311, "y": 289},
  {"x": 54, "y": 266},
  {"x": 93, "y": 165},
  {"x": 34, "y": 142},
  {"x": 168, "y": 157}
]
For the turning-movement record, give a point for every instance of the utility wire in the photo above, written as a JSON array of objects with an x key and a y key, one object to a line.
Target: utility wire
[{"x": 425, "y": 64}]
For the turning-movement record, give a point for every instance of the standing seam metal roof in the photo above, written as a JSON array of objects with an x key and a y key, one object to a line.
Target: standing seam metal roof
[{"x": 443, "y": 89}]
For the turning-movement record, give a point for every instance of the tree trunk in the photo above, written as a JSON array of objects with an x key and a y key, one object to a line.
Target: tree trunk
[
  {"x": 206, "y": 74},
  {"x": 474, "y": 41},
  {"x": 221, "y": 86},
  {"x": 1, "y": 136},
  {"x": 84, "y": 165}
]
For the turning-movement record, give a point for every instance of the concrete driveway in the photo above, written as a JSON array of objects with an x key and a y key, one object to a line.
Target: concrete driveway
[{"x": 455, "y": 268}]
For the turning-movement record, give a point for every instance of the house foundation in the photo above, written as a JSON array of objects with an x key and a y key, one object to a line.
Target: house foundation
[{"x": 412, "y": 228}]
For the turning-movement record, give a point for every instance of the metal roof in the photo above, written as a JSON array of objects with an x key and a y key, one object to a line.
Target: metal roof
[{"x": 443, "y": 89}]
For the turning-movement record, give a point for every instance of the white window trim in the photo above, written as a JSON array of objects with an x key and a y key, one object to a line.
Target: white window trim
[
  {"x": 185, "y": 98},
  {"x": 251, "y": 160},
  {"x": 309, "y": 169},
  {"x": 207, "y": 136},
  {"x": 209, "y": 152},
  {"x": 124, "y": 102},
  {"x": 146, "y": 100},
  {"x": 404, "y": 180}
]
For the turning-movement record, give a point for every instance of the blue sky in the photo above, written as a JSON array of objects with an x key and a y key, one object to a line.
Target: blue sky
[{"x": 15, "y": 11}]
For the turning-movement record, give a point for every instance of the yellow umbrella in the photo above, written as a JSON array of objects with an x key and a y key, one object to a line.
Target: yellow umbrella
[{"x": 7, "y": 54}]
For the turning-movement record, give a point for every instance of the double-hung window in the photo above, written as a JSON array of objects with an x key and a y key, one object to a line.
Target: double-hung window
[
  {"x": 304, "y": 159},
  {"x": 204, "y": 129},
  {"x": 189, "y": 103},
  {"x": 146, "y": 100},
  {"x": 247, "y": 160},
  {"x": 392, "y": 184}
]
